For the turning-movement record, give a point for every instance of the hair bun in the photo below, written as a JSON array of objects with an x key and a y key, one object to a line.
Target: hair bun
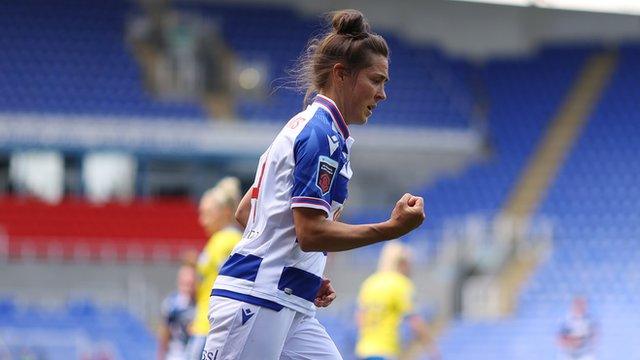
[{"x": 350, "y": 22}]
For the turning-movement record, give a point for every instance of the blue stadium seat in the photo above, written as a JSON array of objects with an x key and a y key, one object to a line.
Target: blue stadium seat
[
  {"x": 70, "y": 57},
  {"x": 596, "y": 206},
  {"x": 114, "y": 329}
]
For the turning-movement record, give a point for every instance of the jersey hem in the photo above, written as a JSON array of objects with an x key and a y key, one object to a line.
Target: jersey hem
[{"x": 269, "y": 297}]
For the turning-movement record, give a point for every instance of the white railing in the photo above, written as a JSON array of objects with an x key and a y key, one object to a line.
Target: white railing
[
  {"x": 86, "y": 250},
  {"x": 475, "y": 251}
]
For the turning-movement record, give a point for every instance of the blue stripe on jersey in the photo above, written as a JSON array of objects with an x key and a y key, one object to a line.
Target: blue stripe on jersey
[
  {"x": 241, "y": 266},
  {"x": 300, "y": 283},
  {"x": 247, "y": 299}
]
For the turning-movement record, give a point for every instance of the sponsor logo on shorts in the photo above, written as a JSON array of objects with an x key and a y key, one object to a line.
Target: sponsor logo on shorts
[
  {"x": 208, "y": 355},
  {"x": 246, "y": 315}
]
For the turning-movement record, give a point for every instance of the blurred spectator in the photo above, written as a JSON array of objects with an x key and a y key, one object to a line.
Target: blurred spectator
[
  {"x": 177, "y": 315},
  {"x": 217, "y": 216},
  {"x": 183, "y": 56},
  {"x": 578, "y": 332},
  {"x": 146, "y": 34},
  {"x": 385, "y": 299}
]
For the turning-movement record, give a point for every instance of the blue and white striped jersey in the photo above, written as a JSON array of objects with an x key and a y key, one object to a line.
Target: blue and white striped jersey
[{"x": 307, "y": 165}]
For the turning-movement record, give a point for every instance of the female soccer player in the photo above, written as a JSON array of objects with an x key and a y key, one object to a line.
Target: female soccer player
[
  {"x": 216, "y": 215},
  {"x": 264, "y": 300}
]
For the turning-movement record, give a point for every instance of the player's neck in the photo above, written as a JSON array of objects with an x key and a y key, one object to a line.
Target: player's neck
[{"x": 333, "y": 95}]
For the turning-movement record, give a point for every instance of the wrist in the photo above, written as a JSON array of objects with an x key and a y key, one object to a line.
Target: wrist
[{"x": 387, "y": 230}]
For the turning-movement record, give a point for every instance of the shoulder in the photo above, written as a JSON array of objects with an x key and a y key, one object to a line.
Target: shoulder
[
  {"x": 210, "y": 243},
  {"x": 169, "y": 303},
  {"x": 377, "y": 281},
  {"x": 227, "y": 236},
  {"x": 225, "y": 233},
  {"x": 404, "y": 282},
  {"x": 316, "y": 124},
  {"x": 397, "y": 283},
  {"x": 297, "y": 128},
  {"x": 171, "y": 298}
]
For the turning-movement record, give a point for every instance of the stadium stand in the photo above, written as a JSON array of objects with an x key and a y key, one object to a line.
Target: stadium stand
[
  {"x": 523, "y": 94},
  {"x": 81, "y": 330},
  {"x": 427, "y": 87},
  {"x": 70, "y": 57},
  {"x": 594, "y": 202}
]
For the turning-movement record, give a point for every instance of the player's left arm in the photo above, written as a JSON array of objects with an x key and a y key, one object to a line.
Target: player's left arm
[
  {"x": 417, "y": 324},
  {"x": 326, "y": 294},
  {"x": 421, "y": 330}
]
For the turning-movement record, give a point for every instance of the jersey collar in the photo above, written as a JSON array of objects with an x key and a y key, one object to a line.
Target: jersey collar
[{"x": 332, "y": 109}]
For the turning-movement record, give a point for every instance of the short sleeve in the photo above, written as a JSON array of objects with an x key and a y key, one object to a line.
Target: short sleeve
[
  {"x": 316, "y": 169},
  {"x": 340, "y": 189}
]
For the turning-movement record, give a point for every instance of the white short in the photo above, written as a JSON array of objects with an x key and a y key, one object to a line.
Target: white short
[
  {"x": 242, "y": 331},
  {"x": 195, "y": 347}
]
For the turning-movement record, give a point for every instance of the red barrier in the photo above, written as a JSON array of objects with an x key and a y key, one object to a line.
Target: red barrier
[{"x": 76, "y": 229}]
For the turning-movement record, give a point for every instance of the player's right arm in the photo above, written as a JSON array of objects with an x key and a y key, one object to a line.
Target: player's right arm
[
  {"x": 316, "y": 233},
  {"x": 163, "y": 341},
  {"x": 244, "y": 209}
]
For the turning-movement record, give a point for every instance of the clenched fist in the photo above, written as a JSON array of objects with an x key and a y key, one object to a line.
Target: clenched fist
[{"x": 407, "y": 215}]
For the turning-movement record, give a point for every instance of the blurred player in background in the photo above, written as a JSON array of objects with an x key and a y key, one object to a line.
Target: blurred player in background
[
  {"x": 386, "y": 299},
  {"x": 217, "y": 209},
  {"x": 577, "y": 333},
  {"x": 177, "y": 314},
  {"x": 264, "y": 300}
]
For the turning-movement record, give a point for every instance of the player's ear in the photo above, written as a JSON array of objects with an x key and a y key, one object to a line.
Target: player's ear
[{"x": 339, "y": 72}]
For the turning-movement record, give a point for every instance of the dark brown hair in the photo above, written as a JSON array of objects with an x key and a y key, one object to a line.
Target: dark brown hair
[{"x": 349, "y": 42}]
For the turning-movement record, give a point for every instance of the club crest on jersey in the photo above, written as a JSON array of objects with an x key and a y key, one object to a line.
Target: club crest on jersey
[{"x": 327, "y": 168}]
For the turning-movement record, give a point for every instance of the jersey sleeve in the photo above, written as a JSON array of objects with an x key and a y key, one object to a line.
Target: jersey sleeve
[
  {"x": 340, "y": 188},
  {"x": 315, "y": 172}
]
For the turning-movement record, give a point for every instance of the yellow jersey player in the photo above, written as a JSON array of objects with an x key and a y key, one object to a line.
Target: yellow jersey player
[
  {"x": 217, "y": 209},
  {"x": 385, "y": 300}
]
